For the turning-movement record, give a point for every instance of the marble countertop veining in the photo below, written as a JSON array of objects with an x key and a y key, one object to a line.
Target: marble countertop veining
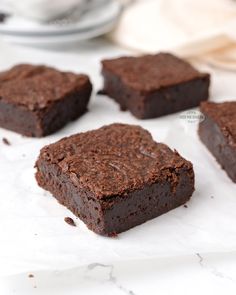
[{"x": 195, "y": 274}]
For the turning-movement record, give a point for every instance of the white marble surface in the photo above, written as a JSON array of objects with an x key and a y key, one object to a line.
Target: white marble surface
[
  {"x": 187, "y": 251},
  {"x": 193, "y": 274}
]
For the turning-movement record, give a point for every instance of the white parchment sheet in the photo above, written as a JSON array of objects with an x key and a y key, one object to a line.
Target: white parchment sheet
[{"x": 34, "y": 235}]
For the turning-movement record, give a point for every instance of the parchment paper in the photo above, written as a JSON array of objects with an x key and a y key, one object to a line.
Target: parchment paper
[{"x": 34, "y": 235}]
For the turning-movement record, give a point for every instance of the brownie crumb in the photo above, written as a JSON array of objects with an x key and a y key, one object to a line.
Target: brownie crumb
[
  {"x": 101, "y": 92},
  {"x": 3, "y": 17},
  {"x": 70, "y": 221},
  {"x": 113, "y": 235},
  {"x": 6, "y": 141},
  {"x": 185, "y": 206},
  {"x": 31, "y": 275}
]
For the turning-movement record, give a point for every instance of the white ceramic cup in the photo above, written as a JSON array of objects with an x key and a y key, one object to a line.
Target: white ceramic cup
[
  {"x": 45, "y": 10},
  {"x": 95, "y": 3}
]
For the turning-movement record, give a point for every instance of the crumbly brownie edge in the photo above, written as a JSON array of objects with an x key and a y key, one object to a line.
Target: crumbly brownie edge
[
  {"x": 19, "y": 119},
  {"x": 163, "y": 70},
  {"x": 80, "y": 201},
  {"x": 117, "y": 213},
  {"x": 216, "y": 142},
  {"x": 42, "y": 122},
  {"x": 177, "y": 98},
  {"x": 167, "y": 100},
  {"x": 153, "y": 200},
  {"x": 59, "y": 113}
]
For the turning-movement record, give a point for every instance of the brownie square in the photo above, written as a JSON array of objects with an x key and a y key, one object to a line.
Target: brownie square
[
  {"x": 38, "y": 100},
  {"x": 218, "y": 133},
  {"x": 115, "y": 177},
  {"x": 151, "y": 86}
]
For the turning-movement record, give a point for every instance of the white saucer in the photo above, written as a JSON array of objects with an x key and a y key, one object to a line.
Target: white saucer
[{"x": 93, "y": 23}]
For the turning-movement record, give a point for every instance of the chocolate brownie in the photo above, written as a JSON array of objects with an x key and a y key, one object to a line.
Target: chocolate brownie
[
  {"x": 218, "y": 133},
  {"x": 115, "y": 177},
  {"x": 38, "y": 100},
  {"x": 151, "y": 86}
]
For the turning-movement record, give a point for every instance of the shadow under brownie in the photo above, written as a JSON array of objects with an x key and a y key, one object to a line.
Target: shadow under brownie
[
  {"x": 151, "y": 86},
  {"x": 38, "y": 100},
  {"x": 115, "y": 177}
]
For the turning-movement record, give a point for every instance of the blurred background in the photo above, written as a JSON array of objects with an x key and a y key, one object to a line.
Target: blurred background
[{"x": 190, "y": 28}]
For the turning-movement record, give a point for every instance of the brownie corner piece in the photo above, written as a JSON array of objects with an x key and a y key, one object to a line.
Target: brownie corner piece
[
  {"x": 38, "y": 100},
  {"x": 115, "y": 177},
  {"x": 151, "y": 86},
  {"x": 218, "y": 133}
]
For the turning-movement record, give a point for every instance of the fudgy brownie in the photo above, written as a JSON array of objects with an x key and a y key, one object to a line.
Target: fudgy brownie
[
  {"x": 154, "y": 85},
  {"x": 38, "y": 100},
  {"x": 115, "y": 177},
  {"x": 218, "y": 133}
]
